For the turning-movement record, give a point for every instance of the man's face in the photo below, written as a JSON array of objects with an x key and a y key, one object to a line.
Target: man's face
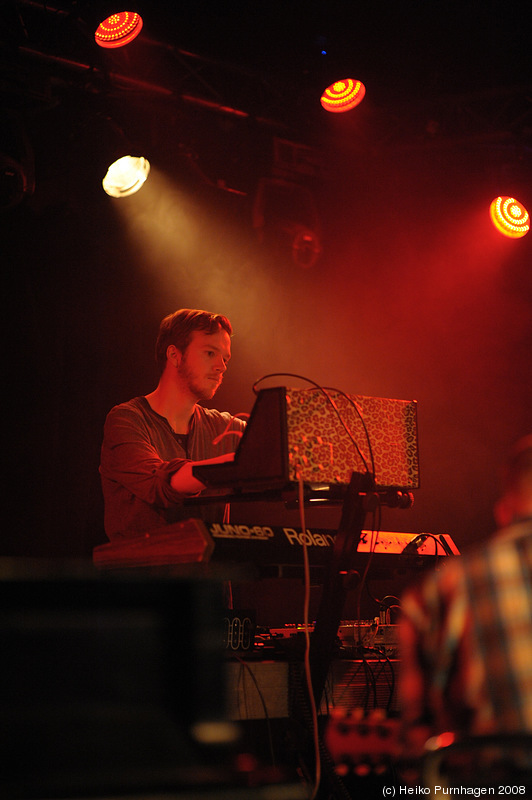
[{"x": 201, "y": 369}]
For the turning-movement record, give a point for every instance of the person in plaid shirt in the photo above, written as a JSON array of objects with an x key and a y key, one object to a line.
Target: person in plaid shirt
[{"x": 466, "y": 630}]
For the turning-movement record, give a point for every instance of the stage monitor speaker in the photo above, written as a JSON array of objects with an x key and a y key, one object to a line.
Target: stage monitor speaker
[{"x": 105, "y": 680}]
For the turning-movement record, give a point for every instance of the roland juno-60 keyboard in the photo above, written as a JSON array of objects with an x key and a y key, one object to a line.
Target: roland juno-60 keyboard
[{"x": 193, "y": 541}]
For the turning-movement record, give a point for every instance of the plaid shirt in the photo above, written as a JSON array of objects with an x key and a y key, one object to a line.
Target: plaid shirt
[{"x": 466, "y": 640}]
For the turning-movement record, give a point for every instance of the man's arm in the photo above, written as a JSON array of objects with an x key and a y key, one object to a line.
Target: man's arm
[{"x": 184, "y": 482}]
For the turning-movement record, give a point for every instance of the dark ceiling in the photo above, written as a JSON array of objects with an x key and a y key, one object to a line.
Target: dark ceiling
[
  {"x": 454, "y": 75},
  {"x": 463, "y": 66}
]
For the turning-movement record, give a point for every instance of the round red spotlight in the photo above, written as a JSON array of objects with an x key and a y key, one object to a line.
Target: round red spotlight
[
  {"x": 119, "y": 29},
  {"x": 343, "y": 95},
  {"x": 510, "y": 217}
]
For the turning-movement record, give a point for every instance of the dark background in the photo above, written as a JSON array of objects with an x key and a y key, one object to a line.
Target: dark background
[{"x": 414, "y": 296}]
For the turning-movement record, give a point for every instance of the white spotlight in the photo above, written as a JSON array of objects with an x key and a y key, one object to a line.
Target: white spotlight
[{"x": 126, "y": 176}]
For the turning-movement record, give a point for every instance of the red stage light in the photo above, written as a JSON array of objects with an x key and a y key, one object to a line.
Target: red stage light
[
  {"x": 343, "y": 95},
  {"x": 119, "y": 29},
  {"x": 510, "y": 217}
]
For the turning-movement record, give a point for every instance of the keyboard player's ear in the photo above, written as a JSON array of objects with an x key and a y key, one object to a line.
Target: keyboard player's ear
[{"x": 173, "y": 355}]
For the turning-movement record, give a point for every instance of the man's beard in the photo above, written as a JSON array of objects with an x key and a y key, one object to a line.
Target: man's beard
[{"x": 188, "y": 377}]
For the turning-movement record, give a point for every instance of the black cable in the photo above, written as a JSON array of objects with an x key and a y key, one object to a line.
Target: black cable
[
  {"x": 246, "y": 666},
  {"x": 392, "y": 686},
  {"x": 371, "y": 683},
  {"x": 362, "y": 420},
  {"x": 329, "y": 399},
  {"x": 412, "y": 546},
  {"x": 363, "y": 581}
]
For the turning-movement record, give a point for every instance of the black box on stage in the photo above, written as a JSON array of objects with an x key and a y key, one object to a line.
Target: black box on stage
[{"x": 105, "y": 680}]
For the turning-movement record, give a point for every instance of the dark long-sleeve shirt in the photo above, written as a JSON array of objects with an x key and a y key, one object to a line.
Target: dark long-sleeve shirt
[{"x": 140, "y": 453}]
